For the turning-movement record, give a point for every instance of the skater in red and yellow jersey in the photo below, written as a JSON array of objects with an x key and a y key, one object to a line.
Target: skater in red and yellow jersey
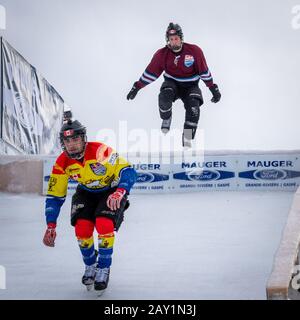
[{"x": 104, "y": 182}]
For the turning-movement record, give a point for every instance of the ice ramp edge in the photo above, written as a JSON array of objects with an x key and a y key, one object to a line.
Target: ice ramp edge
[{"x": 282, "y": 283}]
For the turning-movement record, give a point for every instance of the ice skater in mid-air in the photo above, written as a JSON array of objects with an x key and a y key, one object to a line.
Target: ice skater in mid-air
[
  {"x": 104, "y": 182},
  {"x": 183, "y": 65}
]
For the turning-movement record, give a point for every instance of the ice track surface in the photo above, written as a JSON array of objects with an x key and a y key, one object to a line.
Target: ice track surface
[{"x": 209, "y": 245}]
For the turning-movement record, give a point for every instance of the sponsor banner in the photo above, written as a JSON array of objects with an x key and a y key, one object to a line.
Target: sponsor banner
[
  {"x": 210, "y": 173},
  {"x": 152, "y": 177},
  {"x": 269, "y": 171}
]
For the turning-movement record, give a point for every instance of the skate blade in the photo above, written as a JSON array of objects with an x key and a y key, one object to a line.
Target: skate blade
[
  {"x": 187, "y": 144},
  {"x": 100, "y": 293},
  {"x": 165, "y": 131},
  {"x": 89, "y": 287},
  {"x": 187, "y": 147}
]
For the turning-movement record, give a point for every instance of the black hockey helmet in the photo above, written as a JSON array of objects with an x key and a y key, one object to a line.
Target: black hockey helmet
[
  {"x": 174, "y": 29},
  {"x": 71, "y": 129}
]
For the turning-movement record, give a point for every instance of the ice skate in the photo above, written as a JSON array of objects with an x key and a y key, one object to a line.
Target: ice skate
[
  {"x": 166, "y": 124},
  {"x": 101, "y": 279},
  {"x": 186, "y": 142},
  {"x": 88, "y": 278}
]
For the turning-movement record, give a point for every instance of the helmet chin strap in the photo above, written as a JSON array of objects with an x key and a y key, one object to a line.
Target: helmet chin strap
[{"x": 78, "y": 155}]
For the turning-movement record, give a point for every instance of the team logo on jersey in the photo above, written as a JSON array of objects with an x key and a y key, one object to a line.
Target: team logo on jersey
[
  {"x": 188, "y": 60},
  {"x": 52, "y": 183},
  {"x": 98, "y": 168}
]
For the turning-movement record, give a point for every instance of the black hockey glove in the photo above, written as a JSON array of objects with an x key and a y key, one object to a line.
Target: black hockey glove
[
  {"x": 132, "y": 93},
  {"x": 216, "y": 93},
  {"x": 119, "y": 215}
]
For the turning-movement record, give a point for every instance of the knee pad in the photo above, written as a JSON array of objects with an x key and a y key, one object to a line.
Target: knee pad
[
  {"x": 84, "y": 229},
  {"x": 196, "y": 96},
  {"x": 192, "y": 103},
  {"x": 104, "y": 225},
  {"x": 165, "y": 99},
  {"x": 166, "y": 95}
]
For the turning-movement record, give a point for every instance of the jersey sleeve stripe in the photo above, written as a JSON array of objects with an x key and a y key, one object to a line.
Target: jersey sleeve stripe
[
  {"x": 149, "y": 75},
  {"x": 145, "y": 80}
]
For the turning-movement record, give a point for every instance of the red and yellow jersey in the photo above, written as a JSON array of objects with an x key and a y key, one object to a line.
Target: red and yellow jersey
[{"x": 99, "y": 170}]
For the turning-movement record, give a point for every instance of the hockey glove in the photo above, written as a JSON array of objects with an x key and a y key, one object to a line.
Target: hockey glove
[
  {"x": 132, "y": 93},
  {"x": 216, "y": 93},
  {"x": 50, "y": 235},
  {"x": 114, "y": 200}
]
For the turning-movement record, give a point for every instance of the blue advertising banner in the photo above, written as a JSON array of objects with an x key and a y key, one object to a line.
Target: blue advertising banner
[
  {"x": 214, "y": 172},
  {"x": 265, "y": 172}
]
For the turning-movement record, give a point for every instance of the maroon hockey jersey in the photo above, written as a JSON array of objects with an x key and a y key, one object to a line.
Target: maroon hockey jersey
[{"x": 185, "y": 66}]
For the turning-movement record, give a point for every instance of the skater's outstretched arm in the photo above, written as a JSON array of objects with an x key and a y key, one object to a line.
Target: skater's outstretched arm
[
  {"x": 206, "y": 76},
  {"x": 151, "y": 73},
  {"x": 56, "y": 194}
]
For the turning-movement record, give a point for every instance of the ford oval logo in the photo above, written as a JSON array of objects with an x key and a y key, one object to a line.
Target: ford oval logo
[
  {"x": 145, "y": 177},
  {"x": 205, "y": 175},
  {"x": 270, "y": 174}
]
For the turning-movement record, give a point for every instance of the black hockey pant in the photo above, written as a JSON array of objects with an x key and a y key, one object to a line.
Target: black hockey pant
[{"x": 191, "y": 96}]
